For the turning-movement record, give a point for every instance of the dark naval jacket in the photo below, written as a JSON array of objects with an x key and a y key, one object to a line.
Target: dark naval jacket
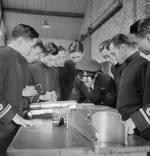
[
  {"x": 134, "y": 93},
  {"x": 13, "y": 78},
  {"x": 103, "y": 93}
]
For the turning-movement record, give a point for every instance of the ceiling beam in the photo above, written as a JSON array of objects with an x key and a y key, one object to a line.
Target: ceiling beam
[{"x": 45, "y": 13}]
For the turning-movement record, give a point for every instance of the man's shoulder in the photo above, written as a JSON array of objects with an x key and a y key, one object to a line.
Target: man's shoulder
[
  {"x": 141, "y": 60},
  {"x": 138, "y": 63}
]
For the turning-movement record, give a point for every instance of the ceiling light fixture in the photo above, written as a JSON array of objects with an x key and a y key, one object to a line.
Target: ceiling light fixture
[{"x": 45, "y": 25}]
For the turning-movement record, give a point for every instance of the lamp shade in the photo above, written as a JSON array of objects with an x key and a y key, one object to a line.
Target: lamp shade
[{"x": 45, "y": 25}]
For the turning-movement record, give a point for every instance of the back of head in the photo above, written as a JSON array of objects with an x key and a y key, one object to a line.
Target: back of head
[
  {"x": 88, "y": 64},
  {"x": 25, "y": 31},
  {"x": 141, "y": 27},
  {"x": 75, "y": 46},
  {"x": 51, "y": 48},
  {"x": 120, "y": 39}
]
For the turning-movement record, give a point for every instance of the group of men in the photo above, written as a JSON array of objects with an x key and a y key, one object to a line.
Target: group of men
[
  {"x": 79, "y": 78},
  {"x": 132, "y": 75},
  {"x": 29, "y": 74}
]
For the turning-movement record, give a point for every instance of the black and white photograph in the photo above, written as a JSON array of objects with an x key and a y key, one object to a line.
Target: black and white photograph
[{"x": 74, "y": 77}]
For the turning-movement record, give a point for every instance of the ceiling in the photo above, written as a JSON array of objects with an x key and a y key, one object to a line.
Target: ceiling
[{"x": 64, "y": 16}]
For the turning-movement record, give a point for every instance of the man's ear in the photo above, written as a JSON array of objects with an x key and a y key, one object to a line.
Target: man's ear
[
  {"x": 123, "y": 47},
  {"x": 19, "y": 40}
]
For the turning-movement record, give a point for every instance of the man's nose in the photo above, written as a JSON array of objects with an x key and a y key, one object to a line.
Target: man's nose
[{"x": 86, "y": 79}]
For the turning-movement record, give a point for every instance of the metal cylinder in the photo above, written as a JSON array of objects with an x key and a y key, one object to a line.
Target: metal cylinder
[{"x": 110, "y": 127}]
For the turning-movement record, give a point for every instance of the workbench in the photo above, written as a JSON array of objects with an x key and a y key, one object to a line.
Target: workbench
[{"x": 48, "y": 139}]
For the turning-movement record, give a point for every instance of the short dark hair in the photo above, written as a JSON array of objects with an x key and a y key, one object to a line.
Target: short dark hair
[
  {"x": 26, "y": 31},
  {"x": 104, "y": 45},
  {"x": 75, "y": 46},
  {"x": 119, "y": 39},
  {"x": 51, "y": 48},
  {"x": 141, "y": 27},
  {"x": 61, "y": 48}
]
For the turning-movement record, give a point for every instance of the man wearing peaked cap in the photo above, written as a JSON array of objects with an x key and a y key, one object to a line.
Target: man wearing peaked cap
[
  {"x": 88, "y": 65},
  {"x": 93, "y": 86}
]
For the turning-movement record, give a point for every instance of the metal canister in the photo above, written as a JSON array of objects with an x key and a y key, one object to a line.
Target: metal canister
[{"x": 110, "y": 127}]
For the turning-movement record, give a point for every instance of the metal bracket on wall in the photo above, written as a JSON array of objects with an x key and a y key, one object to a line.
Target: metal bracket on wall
[{"x": 105, "y": 17}]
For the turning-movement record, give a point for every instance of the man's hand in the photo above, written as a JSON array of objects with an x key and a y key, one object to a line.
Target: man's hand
[
  {"x": 49, "y": 96},
  {"x": 112, "y": 59},
  {"x": 29, "y": 91},
  {"x": 130, "y": 126},
  {"x": 21, "y": 121}
]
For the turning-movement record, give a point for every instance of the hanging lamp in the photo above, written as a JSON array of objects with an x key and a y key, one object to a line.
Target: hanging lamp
[{"x": 45, "y": 24}]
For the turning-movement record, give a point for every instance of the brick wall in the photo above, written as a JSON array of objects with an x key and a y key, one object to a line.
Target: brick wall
[{"x": 118, "y": 23}]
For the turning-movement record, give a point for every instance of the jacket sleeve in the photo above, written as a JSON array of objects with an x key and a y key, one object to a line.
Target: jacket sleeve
[
  {"x": 141, "y": 117},
  {"x": 6, "y": 109}
]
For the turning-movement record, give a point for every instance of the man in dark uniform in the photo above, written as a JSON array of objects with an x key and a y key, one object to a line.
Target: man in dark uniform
[
  {"x": 76, "y": 53},
  {"x": 32, "y": 92},
  {"x": 93, "y": 86},
  {"x": 44, "y": 73},
  {"x": 132, "y": 88},
  {"x": 14, "y": 77},
  {"x": 141, "y": 31}
]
